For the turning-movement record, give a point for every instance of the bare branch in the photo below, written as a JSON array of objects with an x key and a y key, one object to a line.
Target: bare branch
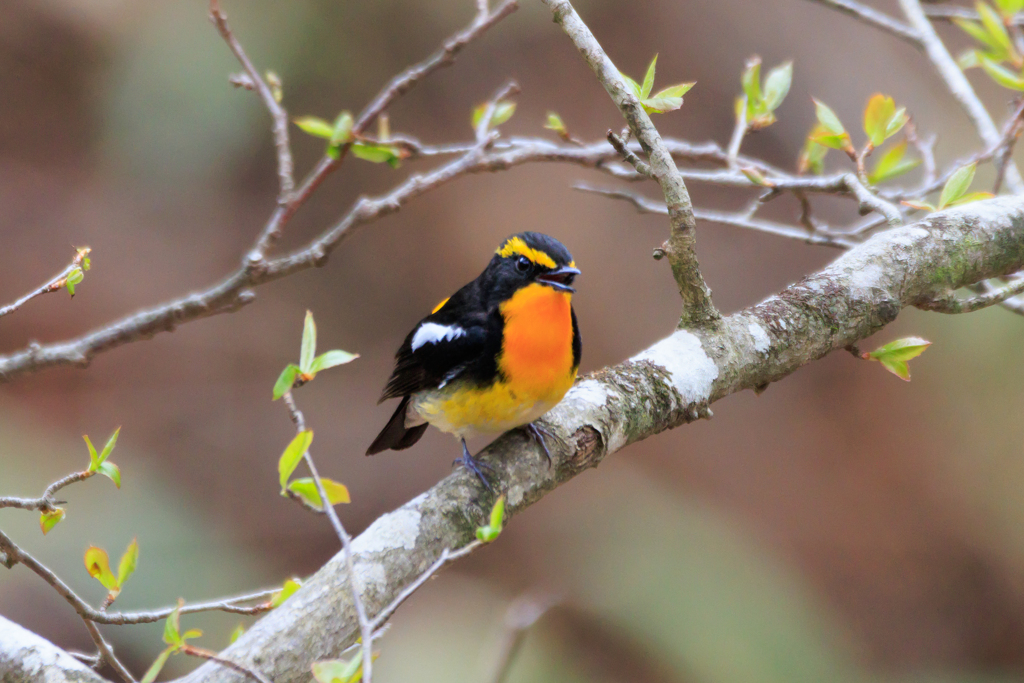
[
  {"x": 107, "y": 652},
  {"x": 45, "y": 503},
  {"x": 957, "y": 84},
  {"x": 365, "y": 627},
  {"x": 234, "y": 666},
  {"x": 681, "y": 244},
  {"x": 522, "y": 614},
  {"x": 873, "y": 17},
  {"x": 285, "y": 164},
  {"x": 951, "y": 304},
  {"x": 641, "y": 166},
  {"x": 950, "y": 12},
  {"x": 55, "y": 283},
  {"x": 739, "y": 220}
]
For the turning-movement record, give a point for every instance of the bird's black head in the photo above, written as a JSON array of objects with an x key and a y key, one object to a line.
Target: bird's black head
[{"x": 526, "y": 258}]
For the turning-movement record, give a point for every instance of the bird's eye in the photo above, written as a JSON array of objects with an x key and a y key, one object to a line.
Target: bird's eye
[{"x": 523, "y": 264}]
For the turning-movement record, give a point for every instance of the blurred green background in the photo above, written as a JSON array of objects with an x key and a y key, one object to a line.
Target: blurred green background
[{"x": 843, "y": 526}]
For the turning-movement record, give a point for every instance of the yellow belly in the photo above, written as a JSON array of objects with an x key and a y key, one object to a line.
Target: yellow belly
[
  {"x": 536, "y": 369},
  {"x": 467, "y": 411}
]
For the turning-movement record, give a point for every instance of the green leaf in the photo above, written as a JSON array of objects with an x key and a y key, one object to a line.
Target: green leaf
[
  {"x": 920, "y": 206},
  {"x": 633, "y": 85},
  {"x": 191, "y": 633},
  {"x": 751, "y": 81},
  {"x": 285, "y": 380},
  {"x": 493, "y": 529},
  {"x": 666, "y": 100},
  {"x": 97, "y": 563},
  {"x": 897, "y": 367},
  {"x": 293, "y": 454},
  {"x": 892, "y": 164},
  {"x": 827, "y": 139},
  {"x": 73, "y": 278},
  {"x": 109, "y": 447},
  {"x": 1009, "y": 7},
  {"x": 154, "y": 669},
  {"x": 338, "y": 670},
  {"x": 894, "y": 355},
  {"x": 48, "y": 520},
  {"x": 236, "y": 633},
  {"x": 503, "y": 111},
  {"x": 1000, "y": 74},
  {"x": 287, "y": 590},
  {"x": 776, "y": 85},
  {"x": 957, "y": 185},
  {"x": 648, "y": 83},
  {"x": 308, "y": 351},
  {"x": 94, "y": 462},
  {"x": 172, "y": 626},
  {"x": 554, "y": 122},
  {"x": 314, "y": 126},
  {"x": 331, "y": 359},
  {"x": 341, "y": 132},
  {"x": 306, "y": 487},
  {"x": 130, "y": 560},
  {"x": 111, "y": 471},
  {"x": 812, "y": 156},
  {"x": 995, "y": 27},
  {"x": 828, "y": 119},
  {"x": 971, "y": 197},
  {"x": 377, "y": 154},
  {"x": 969, "y": 59},
  {"x": 877, "y": 114},
  {"x": 896, "y": 123},
  {"x": 756, "y": 177}
]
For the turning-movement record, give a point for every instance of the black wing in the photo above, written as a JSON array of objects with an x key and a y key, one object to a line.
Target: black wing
[{"x": 464, "y": 340}]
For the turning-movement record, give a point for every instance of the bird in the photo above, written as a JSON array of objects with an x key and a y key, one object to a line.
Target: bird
[{"x": 495, "y": 356}]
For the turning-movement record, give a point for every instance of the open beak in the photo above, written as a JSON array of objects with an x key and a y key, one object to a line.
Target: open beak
[{"x": 560, "y": 278}]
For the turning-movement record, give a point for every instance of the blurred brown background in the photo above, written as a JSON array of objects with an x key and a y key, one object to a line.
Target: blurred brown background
[{"x": 842, "y": 526}]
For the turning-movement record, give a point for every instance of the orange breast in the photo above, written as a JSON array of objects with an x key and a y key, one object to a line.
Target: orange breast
[{"x": 536, "y": 356}]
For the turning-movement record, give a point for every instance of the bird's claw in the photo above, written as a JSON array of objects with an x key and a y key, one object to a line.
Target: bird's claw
[
  {"x": 538, "y": 434},
  {"x": 475, "y": 466}
]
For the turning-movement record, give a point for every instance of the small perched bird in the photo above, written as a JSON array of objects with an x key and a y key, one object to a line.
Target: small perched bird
[{"x": 496, "y": 355}]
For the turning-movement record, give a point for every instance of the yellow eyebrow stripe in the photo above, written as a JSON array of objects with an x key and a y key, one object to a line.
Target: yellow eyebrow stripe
[{"x": 516, "y": 246}]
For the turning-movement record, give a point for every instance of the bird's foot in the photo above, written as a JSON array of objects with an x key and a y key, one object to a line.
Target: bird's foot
[
  {"x": 475, "y": 466},
  {"x": 538, "y": 435}
]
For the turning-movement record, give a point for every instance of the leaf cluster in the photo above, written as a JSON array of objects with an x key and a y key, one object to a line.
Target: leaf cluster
[
  {"x": 758, "y": 104},
  {"x": 666, "y": 100},
  {"x": 309, "y": 363},
  {"x": 996, "y": 55},
  {"x": 894, "y": 355},
  {"x": 954, "y": 192},
  {"x": 97, "y": 563}
]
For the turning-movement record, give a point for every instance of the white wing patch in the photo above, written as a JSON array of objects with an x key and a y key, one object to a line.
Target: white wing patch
[{"x": 432, "y": 333}]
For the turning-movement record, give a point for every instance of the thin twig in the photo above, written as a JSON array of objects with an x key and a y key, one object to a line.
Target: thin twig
[
  {"x": 107, "y": 651},
  {"x": 45, "y": 503},
  {"x": 17, "y": 555},
  {"x": 445, "y": 557},
  {"x": 950, "y": 12},
  {"x": 365, "y": 627},
  {"x": 680, "y": 247},
  {"x": 953, "y": 305},
  {"x": 957, "y": 84},
  {"x": 641, "y": 166},
  {"x": 522, "y": 614},
  {"x": 737, "y": 134},
  {"x": 234, "y": 666},
  {"x": 873, "y": 17},
  {"x": 285, "y": 164},
  {"x": 739, "y": 220},
  {"x": 55, "y": 283}
]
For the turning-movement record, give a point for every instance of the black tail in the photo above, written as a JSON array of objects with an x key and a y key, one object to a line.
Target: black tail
[{"x": 395, "y": 435}]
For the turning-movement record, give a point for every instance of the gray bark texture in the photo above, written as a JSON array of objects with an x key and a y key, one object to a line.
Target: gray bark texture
[
  {"x": 669, "y": 384},
  {"x": 24, "y": 657}
]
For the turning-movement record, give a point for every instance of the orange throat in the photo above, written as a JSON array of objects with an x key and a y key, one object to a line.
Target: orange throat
[{"x": 536, "y": 355}]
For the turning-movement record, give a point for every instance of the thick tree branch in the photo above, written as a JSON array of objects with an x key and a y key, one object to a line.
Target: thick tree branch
[
  {"x": 681, "y": 244},
  {"x": 28, "y": 658},
  {"x": 669, "y": 384}
]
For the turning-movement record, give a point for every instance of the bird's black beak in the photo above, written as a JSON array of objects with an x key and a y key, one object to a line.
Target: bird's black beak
[{"x": 560, "y": 278}]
